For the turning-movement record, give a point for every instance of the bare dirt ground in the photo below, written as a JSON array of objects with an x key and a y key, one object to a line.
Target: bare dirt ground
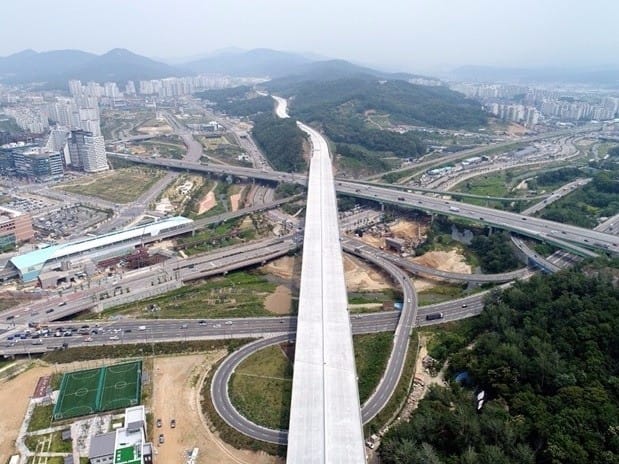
[
  {"x": 235, "y": 199},
  {"x": 411, "y": 231},
  {"x": 422, "y": 380},
  {"x": 14, "y": 397},
  {"x": 282, "y": 267},
  {"x": 408, "y": 230},
  {"x": 279, "y": 301},
  {"x": 155, "y": 130},
  {"x": 516, "y": 129},
  {"x": 208, "y": 202},
  {"x": 450, "y": 261},
  {"x": 176, "y": 396},
  {"x": 373, "y": 241},
  {"x": 360, "y": 278}
]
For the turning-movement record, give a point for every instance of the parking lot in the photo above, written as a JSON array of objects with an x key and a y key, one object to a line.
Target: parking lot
[{"x": 67, "y": 221}]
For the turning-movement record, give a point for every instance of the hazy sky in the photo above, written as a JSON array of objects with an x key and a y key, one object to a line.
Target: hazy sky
[{"x": 411, "y": 35}]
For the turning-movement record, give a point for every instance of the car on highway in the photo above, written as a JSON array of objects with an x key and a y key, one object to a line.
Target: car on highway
[
  {"x": 114, "y": 337},
  {"x": 217, "y": 326},
  {"x": 228, "y": 322},
  {"x": 464, "y": 305},
  {"x": 184, "y": 326},
  {"x": 202, "y": 322}
]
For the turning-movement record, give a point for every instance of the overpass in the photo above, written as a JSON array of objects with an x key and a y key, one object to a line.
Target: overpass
[
  {"x": 574, "y": 239},
  {"x": 325, "y": 418}
]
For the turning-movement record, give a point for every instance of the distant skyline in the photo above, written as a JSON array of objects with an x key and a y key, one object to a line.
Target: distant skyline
[{"x": 406, "y": 35}]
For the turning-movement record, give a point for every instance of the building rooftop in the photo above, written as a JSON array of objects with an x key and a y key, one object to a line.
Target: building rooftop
[
  {"x": 102, "y": 445},
  {"x": 35, "y": 260}
]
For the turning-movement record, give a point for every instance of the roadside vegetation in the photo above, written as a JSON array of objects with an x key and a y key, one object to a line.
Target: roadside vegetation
[
  {"x": 168, "y": 146},
  {"x": 545, "y": 353},
  {"x": 238, "y": 101},
  {"x": 140, "y": 350},
  {"x": 261, "y": 387},
  {"x": 371, "y": 355},
  {"x": 493, "y": 252},
  {"x": 238, "y": 294},
  {"x": 586, "y": 205},
  {"x": 281, "y": 141},
  {"x": 397, "y": 400},
  {"x": 441, "y": 293},
  {"x": 218, "y": 236},
  {"x": 119, "y": 186},
  {"x": 41, "y": 417}
]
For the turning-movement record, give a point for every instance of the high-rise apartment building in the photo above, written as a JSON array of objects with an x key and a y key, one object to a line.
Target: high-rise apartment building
[{"x": 87, "y": 151}]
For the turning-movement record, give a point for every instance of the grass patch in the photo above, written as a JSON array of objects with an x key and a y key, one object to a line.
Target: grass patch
[
  {"x": 372, "y": 297},
  {"x": 41, "y": 417},
  {"x": 217, "y": 236},
  {"x": 139, "y": 350},
  {"x": 60, "y": 446},
  {"x": 120, "y": 186},
  {"x": 371, "y": 354},
  {"x": 227, "y": 433},
  {"x": 400, "y": 394},
  {"x": 494, "y": 185},
  {"x": 261, "y": 388},
  {"x": 6, "y": 303},
  {"x": 166, "y": 148},
  {"x": 238, "y": 294},
  {"x": 440, "y": 293}
]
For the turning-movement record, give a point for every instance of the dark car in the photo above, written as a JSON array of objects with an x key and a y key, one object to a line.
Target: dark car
[{"x": 173, "y": 423}]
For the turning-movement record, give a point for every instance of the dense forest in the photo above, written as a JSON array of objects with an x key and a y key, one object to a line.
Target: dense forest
[
  {"x": 281, "y": 141},
  {"x": 556, "y": 176},
  {"x": 404, "y": 102},
  {"x": 495, "y": 253},
  {"x": 546, "y": 353},
  {"x": 238, "y": 101},
  {"x": 340, "y": 108}
]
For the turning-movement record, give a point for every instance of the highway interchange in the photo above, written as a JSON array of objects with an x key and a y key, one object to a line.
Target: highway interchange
[{"x": 280, "y": 329}]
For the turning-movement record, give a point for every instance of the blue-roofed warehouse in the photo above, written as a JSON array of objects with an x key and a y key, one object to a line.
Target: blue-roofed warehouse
[{"x": 30, "y": 265}]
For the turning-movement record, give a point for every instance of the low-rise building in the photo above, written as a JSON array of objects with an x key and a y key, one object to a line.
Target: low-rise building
[
  {"x": 125, "y": 445},
  {"x": 15, "y": 227}
]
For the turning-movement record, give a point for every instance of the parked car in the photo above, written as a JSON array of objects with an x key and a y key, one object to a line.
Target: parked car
[
  {"x": 173, "y": 423},
  {"x": 158, "y": 422},
  {"x": 161, "y": 439}
]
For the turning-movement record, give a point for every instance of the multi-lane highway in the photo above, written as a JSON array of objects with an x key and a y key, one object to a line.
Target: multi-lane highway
[
  {"x": 576, "y": 239},
  {"x": 571, "y": 238}
]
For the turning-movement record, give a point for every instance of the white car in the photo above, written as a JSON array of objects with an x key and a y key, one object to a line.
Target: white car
[{"x": 114, "y": 337}]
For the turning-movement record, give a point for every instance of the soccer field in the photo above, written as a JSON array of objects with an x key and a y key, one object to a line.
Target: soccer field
[{"x": 96, "y": 390}]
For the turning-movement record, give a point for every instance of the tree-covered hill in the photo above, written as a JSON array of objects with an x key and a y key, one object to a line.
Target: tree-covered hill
[
  {"x": 546, "y": 352},
  {"x": 406, "y": 103}
]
